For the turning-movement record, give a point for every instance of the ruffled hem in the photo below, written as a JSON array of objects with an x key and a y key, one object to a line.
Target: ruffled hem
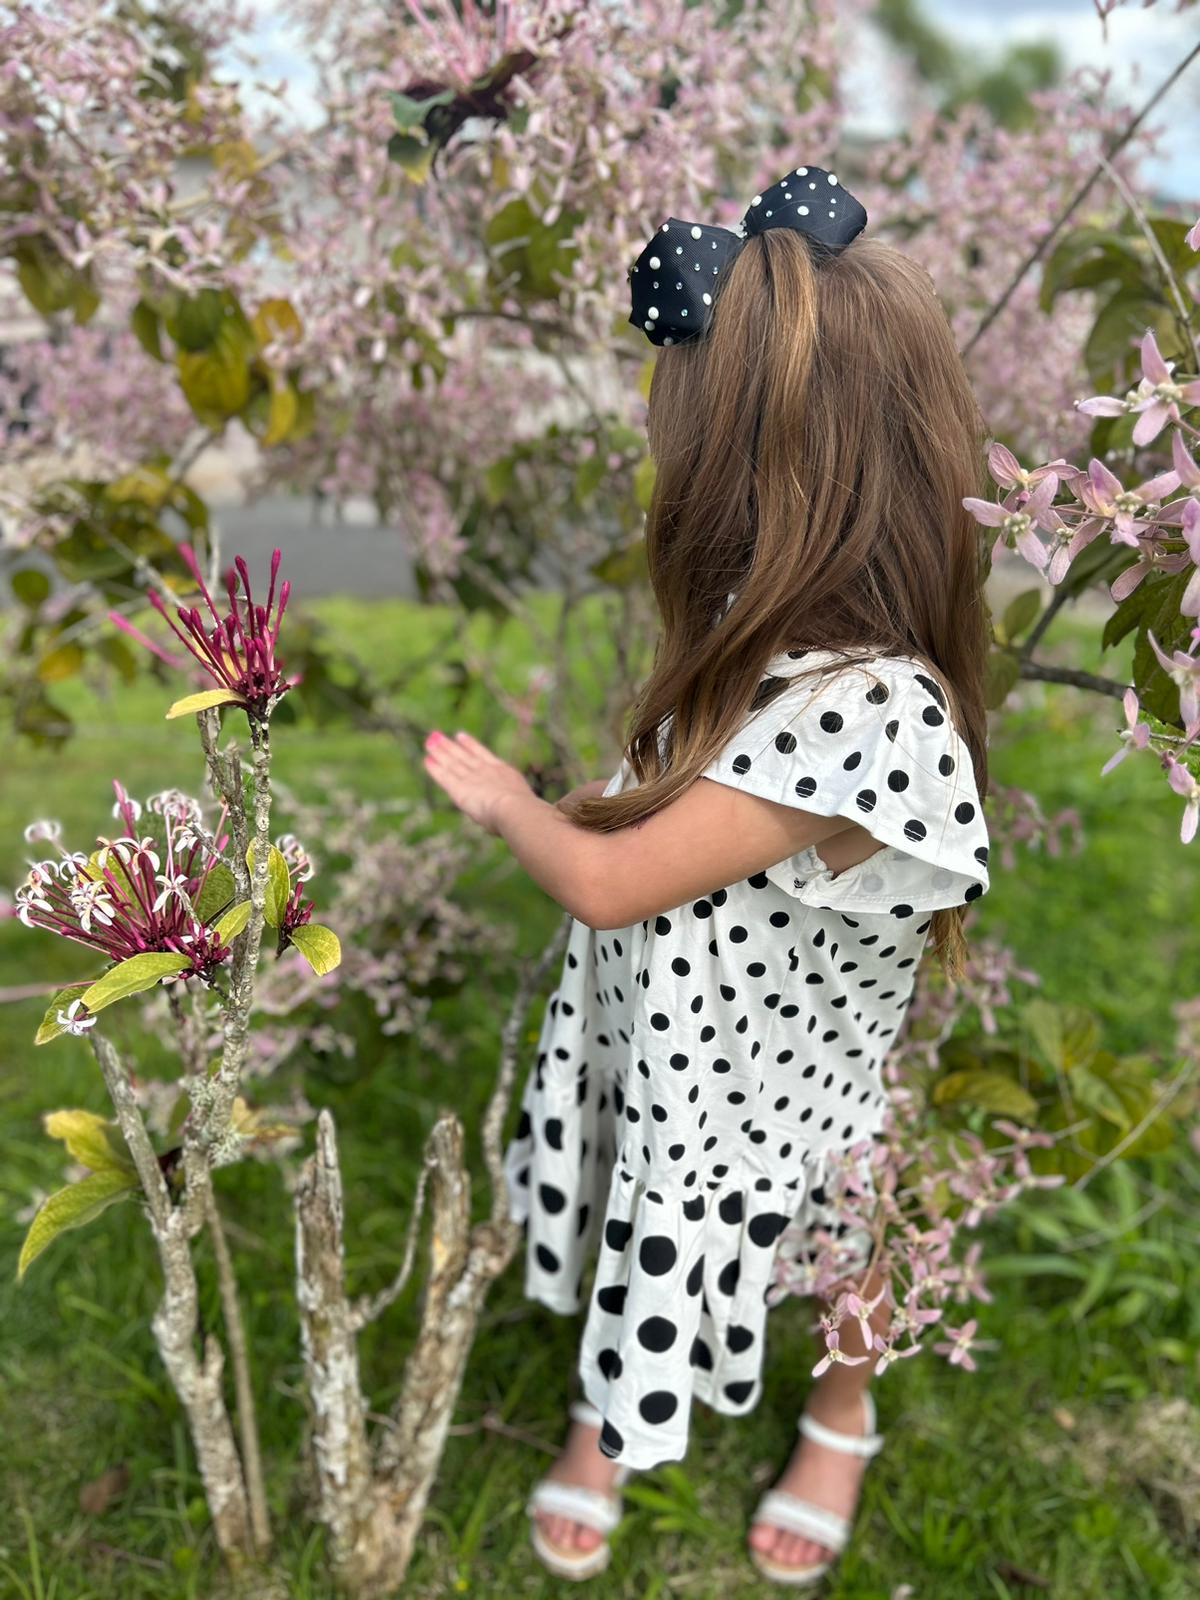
[
  {"x": 679, "y": 1302},
  {"x": 779, "y": 758}
]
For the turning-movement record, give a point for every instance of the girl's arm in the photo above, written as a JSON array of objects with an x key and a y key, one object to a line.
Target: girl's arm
[{"x": 712, "y": 835}]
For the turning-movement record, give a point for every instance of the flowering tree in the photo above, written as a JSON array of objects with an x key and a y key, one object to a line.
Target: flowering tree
[{"x": 364, "y": 300}]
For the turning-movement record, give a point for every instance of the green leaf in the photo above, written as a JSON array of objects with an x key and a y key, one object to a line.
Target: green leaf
[
  {"x": 319, "y": 946},
  {"x": 233, "y": 922},
  {"x": 1111, "y": 350},
  {"x": 1003, "y": 671},
  {"x": 414, "y": 156},
  {"x": 623, "y": 567},
  {"x": 91, "y": 1139},
  {"x": 216, "y": 893},
  {"x": 60, "y": 663},
  {"x": 1067, "y": 1035},
  {"x": 993, "y": 1091},
  {"x": 146, "y": 325},
  {"x": 1020, "y": 613},
  {"x": 71, "y": 1207},
  {"x": 60, "y": 1000},
  {"x": 643, "y": 481},
  {"x": 279, "y": 884},
  {"x": 410, "y": 113},
  {"x": 30, "y": 586},
  {"x": 203, "y": 700},
  {"x": 132, "y": 976}
]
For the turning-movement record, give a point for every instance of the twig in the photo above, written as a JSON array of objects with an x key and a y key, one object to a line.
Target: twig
[
  {"x": 1076, "y": 200},
  {"x": 1156, "y": 1110},
  {"x": 1071, "y": 675},
  {"x": 239, "y": 1351},
  {"x": 510, "y": 1049},
  {"x": 368, "y": 1307},
  {"x": 1182, "y": 309}
]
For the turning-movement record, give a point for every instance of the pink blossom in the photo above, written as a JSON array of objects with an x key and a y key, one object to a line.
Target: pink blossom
[
  {"x": 959, "y": 1346},
  {"x": 1160, "y": 404},
  {"x": 1184, "y": 671},
  {"x": 1182, "y": 781},
  {"x": 1103, "y": 493},
  {"x": 1136, "y": 736}
]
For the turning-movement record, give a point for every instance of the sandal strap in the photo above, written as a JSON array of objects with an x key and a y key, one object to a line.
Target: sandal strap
[
  {"x": 785, "y": 1511},
  {"x": 595, "y": 1510},
  {"x": 851, "y": 1444}
]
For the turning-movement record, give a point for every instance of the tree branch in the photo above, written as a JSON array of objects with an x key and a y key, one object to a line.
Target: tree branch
[{"x": 1076, "y": 200}]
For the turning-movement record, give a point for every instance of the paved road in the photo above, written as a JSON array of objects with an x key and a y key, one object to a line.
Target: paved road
[{"x": 325, "y": 557}]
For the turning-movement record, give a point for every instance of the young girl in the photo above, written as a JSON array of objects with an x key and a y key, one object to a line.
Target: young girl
[{"x": 797, "y": 811}]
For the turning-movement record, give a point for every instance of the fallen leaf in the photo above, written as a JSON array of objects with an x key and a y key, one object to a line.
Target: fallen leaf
[{"x": 96, "y": 1497}]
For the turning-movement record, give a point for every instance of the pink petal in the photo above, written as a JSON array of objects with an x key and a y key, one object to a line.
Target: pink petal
[
  {"x": 1192, "y": 237},
  {"x": 1154, "y": 489},
  {"x": 1126, "y": 582},
  {"x": 1004, "y": 466},
  {"x": 989, "y": 512},
  {"x": 1153, "y": 365},
  {"x": 1151, "y": 422},
  {"x": 1101, "y": 405},
  {"x": 1106, "y": 484},
  {"x": 1184, "y": 464}
]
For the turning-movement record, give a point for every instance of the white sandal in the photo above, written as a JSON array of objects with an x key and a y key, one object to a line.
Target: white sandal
[
  {"x": 591, "y": 1507},
  {"x": 810, "y": 1521}
]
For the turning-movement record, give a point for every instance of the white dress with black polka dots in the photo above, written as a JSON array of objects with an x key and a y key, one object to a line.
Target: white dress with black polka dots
[{"x": 695, "y": 1070}]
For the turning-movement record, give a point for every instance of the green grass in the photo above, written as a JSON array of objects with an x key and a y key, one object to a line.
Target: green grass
[{"x": 980, "y": 1481}]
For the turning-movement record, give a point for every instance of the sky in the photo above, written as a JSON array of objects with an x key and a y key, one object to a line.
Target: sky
[{"x": 1141, "y": 47}]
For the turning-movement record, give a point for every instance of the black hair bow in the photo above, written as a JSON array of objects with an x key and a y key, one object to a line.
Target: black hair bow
[{"x": 673, "y": 282}]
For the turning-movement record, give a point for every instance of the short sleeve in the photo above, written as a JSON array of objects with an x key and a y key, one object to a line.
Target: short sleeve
[{"x": 875, "y": 744}]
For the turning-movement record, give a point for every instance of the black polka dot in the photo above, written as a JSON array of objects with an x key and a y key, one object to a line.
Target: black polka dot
[
  {"x": 657, "y": 1255},
  {"x": 553, "y": 1200},
  {"x": 805, "y": 787},
  {"x": 739, "y": 1392},
  {"x": 547, "y": 1259},
  {"x": 701, "y": 1355},
  {"x": 617, "y": 1234},
  {"x": 611, "y": 1442},
  {"x": 785, "y": 742},
  {"x": 766, "y": 1228},
  {"x": 657, "y": 1334},
  {"x": 658, "y": 1406},
  {"x": 612, "y": 1298},
  {"x": 964, "y": 812},
  {"x": 831, "y": 721},
  {"x": 553, "y": 1131},
  {"x": 610, "y": 1363}
]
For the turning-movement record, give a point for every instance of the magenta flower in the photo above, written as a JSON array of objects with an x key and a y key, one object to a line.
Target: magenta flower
[
  {"x": 238, "y": 651},
  {"x": 134, "y": 895},
  {"x": 1159, "y": 404},
  {"x": 1136, "y": 736}
]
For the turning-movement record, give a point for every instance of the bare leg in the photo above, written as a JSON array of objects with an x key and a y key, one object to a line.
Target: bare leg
[
  {"x": 828, "y": 1478},
  {"x": 581, "y": 1462}
]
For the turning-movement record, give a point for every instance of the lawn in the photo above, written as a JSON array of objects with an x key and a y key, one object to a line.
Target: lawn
[{"x": 1015, "y": 1480}]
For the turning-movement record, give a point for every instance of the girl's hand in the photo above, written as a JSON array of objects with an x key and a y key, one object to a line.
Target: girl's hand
[{"x": 473, "y": 777}]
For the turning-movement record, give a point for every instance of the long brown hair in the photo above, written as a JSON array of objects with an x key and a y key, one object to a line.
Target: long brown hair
[{"x": 812, "y": 452}]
